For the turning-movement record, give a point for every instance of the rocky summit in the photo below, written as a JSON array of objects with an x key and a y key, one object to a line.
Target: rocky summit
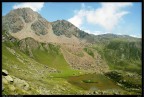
[{"x": 57, "y": 58}]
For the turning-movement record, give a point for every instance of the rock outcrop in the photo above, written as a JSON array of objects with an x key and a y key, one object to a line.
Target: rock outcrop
[
  {"x": 4, "y": 73},
  {"x": 21, "y": 83},
  {"x": 13, "y": 83},
  {"x": 6, "y": 76}
]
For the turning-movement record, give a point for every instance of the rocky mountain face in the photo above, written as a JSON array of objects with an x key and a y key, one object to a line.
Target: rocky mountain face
[
  {"x": 17, "y": 20},
  {"x": 43, "y": 53},
  {"x": 63, "y": 27}
]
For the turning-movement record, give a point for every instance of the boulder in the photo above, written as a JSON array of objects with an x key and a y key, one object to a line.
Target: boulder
[
  {"x": 4, "y": 81},
  {"x": 9, "y": 78},
  {"x": 21, "y": 84},
  {"x": 26, "y": 86},
  {"x": 95, "y": 92},
  {"x": 4, "y": 72}
]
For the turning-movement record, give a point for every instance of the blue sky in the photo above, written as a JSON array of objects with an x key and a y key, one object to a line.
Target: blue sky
[{"x": 95, "y": 18}]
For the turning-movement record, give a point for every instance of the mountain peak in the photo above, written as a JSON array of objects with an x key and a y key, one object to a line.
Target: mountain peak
[
  {"x": 22, "y": 11},
  {"x": 63, "y": 27},
  {"x": 25, "y": 8},
  {"x": 25, "y": 19},
  {"x": 63, "y": 22}
]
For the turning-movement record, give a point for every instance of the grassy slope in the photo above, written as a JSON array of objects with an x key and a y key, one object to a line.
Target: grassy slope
[
  {"x": 29, "y": 69},
  {"x": 53, "y": 57}
]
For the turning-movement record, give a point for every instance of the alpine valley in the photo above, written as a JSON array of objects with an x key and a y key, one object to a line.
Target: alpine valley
[{"x": 57, "y": 58}]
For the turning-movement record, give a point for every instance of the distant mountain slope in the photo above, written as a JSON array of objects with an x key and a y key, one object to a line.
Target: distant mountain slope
[{"x": 121, "y": 53}]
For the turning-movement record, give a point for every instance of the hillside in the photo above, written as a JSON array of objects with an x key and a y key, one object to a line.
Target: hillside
[
  {"x": 122, "y": 54},
  {"x": 48, "y": 58}
]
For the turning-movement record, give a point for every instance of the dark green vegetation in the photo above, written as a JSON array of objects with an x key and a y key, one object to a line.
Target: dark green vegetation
[
  {"x": 89, "y": 81},
  {"x": 129, "y": 81},
  {"x": 89, "y": 51},
  {"x": 121, "y": 54}
]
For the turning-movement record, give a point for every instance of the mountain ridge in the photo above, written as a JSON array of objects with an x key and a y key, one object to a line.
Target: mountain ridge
[{"x": 32, "y": 22}]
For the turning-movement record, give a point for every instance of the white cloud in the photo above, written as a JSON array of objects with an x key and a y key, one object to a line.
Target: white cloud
[
  {"x": 95, "y": 32},
  {"x": 77, "y": 20},
  {"x": 107, "y": 16},
  {"x": 36, "y": 6}
]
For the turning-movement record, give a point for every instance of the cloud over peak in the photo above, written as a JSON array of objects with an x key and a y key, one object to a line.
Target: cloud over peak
[
  {"x": 107, "y": 16},
  {"x": 36, "y": 6}
]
